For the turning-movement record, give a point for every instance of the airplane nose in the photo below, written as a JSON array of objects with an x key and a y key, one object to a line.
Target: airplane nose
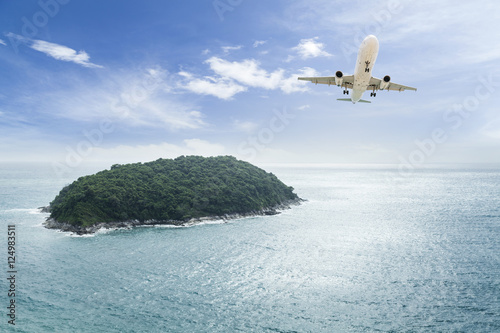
[{"x": 371, "y": 39}]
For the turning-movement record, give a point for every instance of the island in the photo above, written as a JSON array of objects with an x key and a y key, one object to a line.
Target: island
[{"x": 180, "y": 191}]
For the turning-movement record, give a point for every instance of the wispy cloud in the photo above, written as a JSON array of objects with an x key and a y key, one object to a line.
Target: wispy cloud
[
  {"x": 227, "y": 49},
  {"x": 144, "y": 98},
  {"x": 219, "y": 87},
  {"x": 64, "y": 53},
  {"x": 258, "y": 43},
  {"x": 131, "y": 98},
  {"x": 222, "y": 88},
  {"x": 56, "y": 51},
  {"x": 291, "y": 84},
  {"x": 3, "y": 43},
  {"x": 311, "y": 48},
  {"x": 247, "y": 72}
]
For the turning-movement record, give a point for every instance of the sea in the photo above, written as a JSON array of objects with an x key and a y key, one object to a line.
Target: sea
[{"x": 373, "y": 249}]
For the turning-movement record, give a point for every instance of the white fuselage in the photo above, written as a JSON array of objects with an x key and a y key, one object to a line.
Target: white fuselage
[{"x": 367, "y": 55}]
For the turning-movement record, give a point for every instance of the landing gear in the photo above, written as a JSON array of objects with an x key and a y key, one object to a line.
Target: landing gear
[
  {"x": 367, "y": 69},
  {"x": 373, "y": 94},
  {"x": 346, "y": 92}
]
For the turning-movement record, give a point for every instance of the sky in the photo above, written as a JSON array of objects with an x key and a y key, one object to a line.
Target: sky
[{"x": 122, "y": 81}]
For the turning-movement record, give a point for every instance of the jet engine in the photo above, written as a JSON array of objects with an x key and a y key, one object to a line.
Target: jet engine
[
  {"x": 384, "y": 84},
  {"x": 339, "y": 78}
]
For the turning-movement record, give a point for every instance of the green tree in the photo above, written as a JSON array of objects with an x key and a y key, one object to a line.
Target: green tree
[{"x": 164, "y": 190}]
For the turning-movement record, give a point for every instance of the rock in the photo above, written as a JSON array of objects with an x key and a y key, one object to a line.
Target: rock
[{"x": 45, "y": 209}]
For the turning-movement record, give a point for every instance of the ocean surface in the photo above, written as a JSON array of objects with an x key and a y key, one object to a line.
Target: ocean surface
[{"x": 370, "y": 251}]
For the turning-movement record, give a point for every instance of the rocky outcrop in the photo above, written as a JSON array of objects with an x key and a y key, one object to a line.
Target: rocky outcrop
[{"x": 51, "y": 223}]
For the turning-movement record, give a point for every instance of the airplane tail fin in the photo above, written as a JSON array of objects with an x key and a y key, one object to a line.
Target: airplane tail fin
[{"x": 350, "y": 100}]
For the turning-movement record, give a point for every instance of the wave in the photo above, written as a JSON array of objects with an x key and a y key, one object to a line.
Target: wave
[
  {"x": 73, "y": 234},
  {"x": 103, "y": 231},
  {"x": 23, "y": 210}
]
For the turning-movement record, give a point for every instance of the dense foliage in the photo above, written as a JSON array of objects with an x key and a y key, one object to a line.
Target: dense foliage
[{"x": 179, "y": 189}]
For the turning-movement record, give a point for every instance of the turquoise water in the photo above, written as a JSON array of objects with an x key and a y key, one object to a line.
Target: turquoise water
[{"x": 370, "y": 251}]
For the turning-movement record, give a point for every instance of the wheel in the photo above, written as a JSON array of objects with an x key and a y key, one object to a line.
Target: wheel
[{"x": 374, "y": 94}]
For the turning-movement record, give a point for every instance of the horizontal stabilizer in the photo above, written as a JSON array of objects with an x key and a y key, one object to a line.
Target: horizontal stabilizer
[{"x": 350, "y": 100}]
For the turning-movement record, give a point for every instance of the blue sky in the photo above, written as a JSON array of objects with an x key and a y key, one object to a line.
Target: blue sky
[{"x": 122, "y": 81}]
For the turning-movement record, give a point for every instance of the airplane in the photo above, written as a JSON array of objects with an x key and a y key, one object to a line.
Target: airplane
[{"x": 362, "y": 80}]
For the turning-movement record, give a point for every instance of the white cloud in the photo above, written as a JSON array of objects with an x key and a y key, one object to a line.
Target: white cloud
[
  {"x": 227, "y": 49},
  {"x": 2, "y": 42},
  {"x": 56, "y": 51},
  {"x": 222, "y": 88},
  {"x": 235, "y": 77},
  {"x": 185, "y": 74},
  {"x": 304, "y": 107},
  {"x": 247, "y": 72},
  {"x": 64, "y": 53},
  {"x": 257, "y": 43},
  {"x": 311, "y": 48}
]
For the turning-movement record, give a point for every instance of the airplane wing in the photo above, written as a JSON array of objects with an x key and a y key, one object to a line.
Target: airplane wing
[
  {"x": 375, "y": 83},
  {"x": 347, "y": 80}
]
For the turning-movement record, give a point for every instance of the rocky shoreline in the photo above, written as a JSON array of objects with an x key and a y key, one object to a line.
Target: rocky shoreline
[{"x": 50, "y": 223}]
